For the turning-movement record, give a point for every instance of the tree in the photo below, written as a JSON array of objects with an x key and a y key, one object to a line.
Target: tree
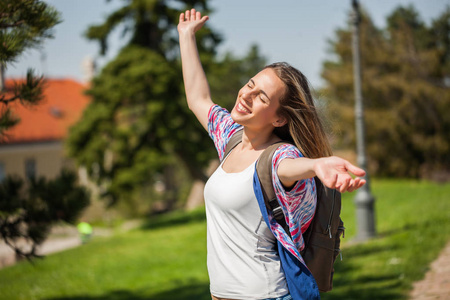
[
  {"x": 23, "y": 25},
  {"x": 29, "y": 209},
  {"x": 138, "y": 129},
  {"x": 406, "y": 92}
]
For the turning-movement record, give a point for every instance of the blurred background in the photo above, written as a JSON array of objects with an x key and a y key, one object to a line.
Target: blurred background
[{"x": 95, "y": 130}]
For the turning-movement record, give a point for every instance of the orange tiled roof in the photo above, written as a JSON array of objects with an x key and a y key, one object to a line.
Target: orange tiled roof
[{"x": 63, "y": 104}]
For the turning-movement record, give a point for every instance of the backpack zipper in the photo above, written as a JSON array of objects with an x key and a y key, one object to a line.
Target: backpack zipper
[
  {"x": 331, "y": 214},
  {"x": 343, "y": 231}
]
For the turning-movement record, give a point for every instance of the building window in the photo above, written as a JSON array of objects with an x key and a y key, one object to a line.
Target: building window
[
  {"x": 30, "y": 168},
  {"x": 2, "y": 171}
]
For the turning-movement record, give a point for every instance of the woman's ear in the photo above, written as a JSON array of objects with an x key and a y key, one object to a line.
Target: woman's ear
[{"x": 280, "y": 122}]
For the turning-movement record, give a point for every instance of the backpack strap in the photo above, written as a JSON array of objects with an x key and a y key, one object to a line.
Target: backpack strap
[
  {"x": 264, "y": 170},
  {"x": 235, "y": 140}
]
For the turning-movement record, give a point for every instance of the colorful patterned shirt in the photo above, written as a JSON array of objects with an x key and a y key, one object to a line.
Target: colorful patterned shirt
[{"x": 298, "y": 204}]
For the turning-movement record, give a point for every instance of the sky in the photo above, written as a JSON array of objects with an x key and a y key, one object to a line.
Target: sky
[{"x": 295, "y": 31}]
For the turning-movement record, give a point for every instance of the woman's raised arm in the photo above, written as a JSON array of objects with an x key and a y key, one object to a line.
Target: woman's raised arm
[{"x": 195, "y": 83}]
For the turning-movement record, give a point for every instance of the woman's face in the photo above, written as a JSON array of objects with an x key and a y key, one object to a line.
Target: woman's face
[{"x": 258, "y": 101}]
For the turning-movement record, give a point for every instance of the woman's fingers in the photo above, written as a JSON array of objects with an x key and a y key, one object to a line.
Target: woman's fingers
[
  {"x": 353, "y": 185},
  {"x": 361, "y": 183},
  {"x": 204, "y": 19},
  {"x": 343, "y": 183},
  {"x": 335, "y": 173},
  {"x": 192, "y": 15},
  {"x": 354, "y": 169}
]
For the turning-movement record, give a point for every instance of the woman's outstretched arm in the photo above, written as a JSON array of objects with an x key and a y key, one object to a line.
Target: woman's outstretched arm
[
  {"x": 195, "y": 83},
  {"x": 333, "y": 171}
]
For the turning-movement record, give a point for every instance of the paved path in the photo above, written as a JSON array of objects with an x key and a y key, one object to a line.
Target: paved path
[
  {"x": 51, "y": 245},
  {"x": 436, "y": 284},
  {"x": 60, "y": 239}
]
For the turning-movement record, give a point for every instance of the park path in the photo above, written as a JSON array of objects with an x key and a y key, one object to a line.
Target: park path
[
  {"x": 61, "y": 238},
  {"x": 436, "y": 284}
]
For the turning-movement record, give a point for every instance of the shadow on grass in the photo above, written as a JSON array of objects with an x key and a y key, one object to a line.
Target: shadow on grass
[
  {"x": 174, "y": 219},
  {"x": 346, "y": 286},
  {"x": 364, "y": 287},
  {"x": 191, "y": 292},
  {"x": 353, "y": 293}
]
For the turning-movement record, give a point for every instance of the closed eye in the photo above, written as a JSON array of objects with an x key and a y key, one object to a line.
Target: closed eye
[
  {"x": 263, "y": 100},
  {"x": 263, "y": 96}
]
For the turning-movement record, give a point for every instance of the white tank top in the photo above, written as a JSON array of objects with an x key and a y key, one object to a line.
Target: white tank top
[{"x": 242, "y": 259}]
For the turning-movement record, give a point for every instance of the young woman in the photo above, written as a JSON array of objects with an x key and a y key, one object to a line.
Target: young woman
[{"x": 274, "y": 105}]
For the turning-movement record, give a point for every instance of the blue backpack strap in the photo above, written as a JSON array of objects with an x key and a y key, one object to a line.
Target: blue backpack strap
[{"x": 300, "y": 281}]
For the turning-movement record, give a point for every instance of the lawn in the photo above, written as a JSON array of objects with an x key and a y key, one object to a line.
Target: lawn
[
  {"x": 166, "y": 258},
  {"x": 413, "y": 225}
]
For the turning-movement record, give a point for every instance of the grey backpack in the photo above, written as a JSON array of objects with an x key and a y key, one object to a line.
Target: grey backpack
[{"x": 323, "y": 236}]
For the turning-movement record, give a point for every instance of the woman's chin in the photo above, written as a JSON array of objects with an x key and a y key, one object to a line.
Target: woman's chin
[{"x": 236, "y": 117}]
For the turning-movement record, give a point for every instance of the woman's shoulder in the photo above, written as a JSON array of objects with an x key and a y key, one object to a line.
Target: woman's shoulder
[
  {"x": 221, "y": 127},
  {"x": 219, "y": 118},
  {"x": 217, "y": 111},
  {"x": 286, "y": 150}
]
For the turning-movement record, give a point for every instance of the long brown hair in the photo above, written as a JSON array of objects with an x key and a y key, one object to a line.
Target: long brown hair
[{"x": 303, "y": 127}]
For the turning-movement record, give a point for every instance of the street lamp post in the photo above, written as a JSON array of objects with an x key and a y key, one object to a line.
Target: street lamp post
[{"x": 364, "y": 201}]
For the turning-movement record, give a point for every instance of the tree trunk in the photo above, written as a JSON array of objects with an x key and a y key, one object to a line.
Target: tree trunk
[{"x": 195, "y": 198}]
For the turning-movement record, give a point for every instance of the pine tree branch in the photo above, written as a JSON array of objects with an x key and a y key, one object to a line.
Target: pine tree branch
[
  {"x": 29, "y": 92},
  {"x": 10, "y": 25},
  {"x": 6, "y": 101}
]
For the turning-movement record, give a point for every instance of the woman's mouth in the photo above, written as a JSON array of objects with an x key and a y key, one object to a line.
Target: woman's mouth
[{"x": 240, "y": 108}]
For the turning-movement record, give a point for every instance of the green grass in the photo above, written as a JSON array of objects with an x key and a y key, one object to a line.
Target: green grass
[
  {"x": 166, "y": 259},
  {"x": 413, "y": 225},
  {"x": 153, "y": 263}
]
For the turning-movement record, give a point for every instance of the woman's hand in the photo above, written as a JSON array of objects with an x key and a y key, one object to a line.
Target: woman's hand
[
  {"x": 191, "y": 21},
  {"x": 334, "y": 172}
]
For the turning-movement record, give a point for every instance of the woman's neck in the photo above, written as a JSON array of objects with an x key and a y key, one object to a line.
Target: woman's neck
[{"x": 258, "y": 140}]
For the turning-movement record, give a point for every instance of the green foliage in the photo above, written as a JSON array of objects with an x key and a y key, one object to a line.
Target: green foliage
[
  {"x": 28, "y": 93},
  {"x": 138, "y": 123},
  {"x": 28, "y": 211},
  {"x": 166, "y": 259},
  {"x": 24, "y": 24},
  {"x": 7, "y": 120},
  {"x": 406, "y": 71}
]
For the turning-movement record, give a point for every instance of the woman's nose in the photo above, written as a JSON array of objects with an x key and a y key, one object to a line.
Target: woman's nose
[{"x": 247, "y": 96}]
